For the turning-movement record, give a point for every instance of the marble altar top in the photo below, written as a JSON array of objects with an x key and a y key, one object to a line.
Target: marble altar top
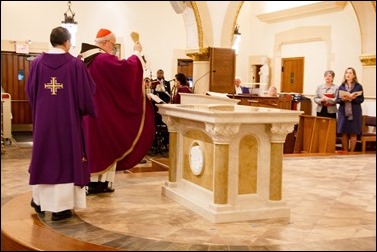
[{"x": 229, "y": 113}]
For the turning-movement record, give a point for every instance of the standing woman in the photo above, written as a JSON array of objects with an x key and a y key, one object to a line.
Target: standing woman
[
  {"x": 325, "y": 96},
  {"x": 350, "y": 112},
  {"x": 181, "y": 85}
]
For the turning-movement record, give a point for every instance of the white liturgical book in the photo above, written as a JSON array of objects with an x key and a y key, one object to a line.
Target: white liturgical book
[
  {"x": 155, "y": 98},
  {"x": 343, "y": 93},
  {"x": 216, "y": 94}
]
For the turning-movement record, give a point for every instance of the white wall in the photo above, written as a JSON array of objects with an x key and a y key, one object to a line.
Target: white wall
[
  {"x": 258, "y": 38},
  {"x": 161, "y": 30},
  {"x": 341, "y": 51},
  {"x": 162, "y": 33},
  {"x": 315, "y": 57}
]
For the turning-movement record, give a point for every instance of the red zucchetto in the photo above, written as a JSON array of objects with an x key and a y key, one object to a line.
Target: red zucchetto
[{"x": 102, "y": 33}]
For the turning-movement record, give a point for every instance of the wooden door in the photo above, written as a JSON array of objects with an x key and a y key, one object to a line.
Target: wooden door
[
  {"x": 14, "y": 72},
  {"x": 222, "y": 70},
  {"x": 292, "y": 75},
  {"x": 185, "y": 66}
]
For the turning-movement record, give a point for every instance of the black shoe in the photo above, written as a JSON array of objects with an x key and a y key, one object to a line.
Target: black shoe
[
  {"x": 61, "y": 215},
  {"x": 36, "y": 207},
  {"x": 98, "y": 187}
]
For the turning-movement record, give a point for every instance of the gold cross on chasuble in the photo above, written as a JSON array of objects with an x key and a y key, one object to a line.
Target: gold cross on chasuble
[{"x": 53, "y": 85}]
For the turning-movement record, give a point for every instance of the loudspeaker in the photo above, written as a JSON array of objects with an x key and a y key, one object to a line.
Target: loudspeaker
[{"x": 178, "y": 6}]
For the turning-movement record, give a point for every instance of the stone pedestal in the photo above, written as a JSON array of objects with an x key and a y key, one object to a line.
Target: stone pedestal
[{"x": 226, "y": 164}]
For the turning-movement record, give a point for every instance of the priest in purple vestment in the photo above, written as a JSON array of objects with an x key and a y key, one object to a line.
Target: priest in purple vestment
[
  {"x": 124, "y": 128},
  {"x": 60, "y": 91}
]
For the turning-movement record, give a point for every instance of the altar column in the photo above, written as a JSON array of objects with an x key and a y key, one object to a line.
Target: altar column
[
  {"x": 173, "y": 156},
  {"x": 221, "y": 135},
  {"x": 220, "y": 189},
  {"x": 277, "y": 132},
  {"x": 171, "y": 124}
]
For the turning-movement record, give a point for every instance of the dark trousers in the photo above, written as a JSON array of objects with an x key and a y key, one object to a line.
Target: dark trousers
[{"x": 324, "y": 113}]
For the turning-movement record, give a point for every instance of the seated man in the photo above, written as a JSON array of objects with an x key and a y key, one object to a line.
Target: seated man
[
  {"x": 239, "y": 89},
  {"x": 272, "y": 91}
]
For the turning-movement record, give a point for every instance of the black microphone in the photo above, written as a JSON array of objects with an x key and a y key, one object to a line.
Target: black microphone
[
  {"x": 142, "y": 56},
  {"x": 194, "y": 83}
]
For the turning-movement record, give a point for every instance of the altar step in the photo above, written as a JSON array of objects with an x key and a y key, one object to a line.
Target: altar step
[
  {"x": 151, "y": 165},
  {"x": 22, "y": 230}
]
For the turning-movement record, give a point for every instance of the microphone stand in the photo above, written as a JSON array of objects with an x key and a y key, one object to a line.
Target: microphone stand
[
  {"x": 193, "y": 85},
  {"x": 150, "y": 72}
]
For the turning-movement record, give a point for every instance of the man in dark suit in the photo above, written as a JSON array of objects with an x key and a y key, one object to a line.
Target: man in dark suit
[{"x": 162, "y": 88}]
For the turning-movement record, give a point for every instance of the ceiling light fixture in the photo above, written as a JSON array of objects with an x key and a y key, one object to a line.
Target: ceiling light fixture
[
  {"x": 70, "y": 23},
  {"x": 236, "y": 39}
]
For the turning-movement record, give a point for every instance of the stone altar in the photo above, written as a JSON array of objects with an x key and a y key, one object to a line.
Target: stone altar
[
  {"x": 188, "y": 98},
  {"x": 226, "y": 160}
]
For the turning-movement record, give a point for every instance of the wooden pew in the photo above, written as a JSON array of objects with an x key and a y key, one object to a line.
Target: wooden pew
[{"x": 315, "y": 135}]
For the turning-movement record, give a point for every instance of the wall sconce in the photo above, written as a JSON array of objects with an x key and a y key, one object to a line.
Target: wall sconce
[
  {"x": 236, "y": 39},
  {"x": 70, "y": 23}
]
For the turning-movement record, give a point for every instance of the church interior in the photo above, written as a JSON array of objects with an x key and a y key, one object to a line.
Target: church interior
[
  {"x": 289, "y": 186},
  {"x": 332, "y": 200}
]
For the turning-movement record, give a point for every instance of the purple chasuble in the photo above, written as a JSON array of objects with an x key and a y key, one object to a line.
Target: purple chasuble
[{"x": 60, "y": 92}]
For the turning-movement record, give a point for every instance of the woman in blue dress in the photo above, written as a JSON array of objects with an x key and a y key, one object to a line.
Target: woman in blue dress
[{"x": 350, "y": 96}]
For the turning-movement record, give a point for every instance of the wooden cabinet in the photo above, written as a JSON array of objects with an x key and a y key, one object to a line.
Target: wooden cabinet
[
  {"x": 262, "y": 101},
  {"x": 306, "y": 105},
  {"x": 315, "y": 135},
  {"x": 270, "y": 102},
  {"x": 222, "y": 69},
  {"x": 244, "y": 98},
  {"x": 222, "y": 64}
]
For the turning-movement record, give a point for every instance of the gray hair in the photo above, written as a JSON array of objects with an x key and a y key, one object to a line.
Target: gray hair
[
  {"x": 331, "y": 72},
  {"x": 103, "y": 39}
]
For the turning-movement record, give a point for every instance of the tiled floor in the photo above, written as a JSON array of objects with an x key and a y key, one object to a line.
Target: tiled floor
[{"x": 332, "y": 201}]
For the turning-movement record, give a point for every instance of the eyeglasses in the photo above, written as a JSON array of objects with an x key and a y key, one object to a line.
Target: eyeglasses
[
  {"x": 111, "y": 43},
  {"x": 115, "y": 49}
]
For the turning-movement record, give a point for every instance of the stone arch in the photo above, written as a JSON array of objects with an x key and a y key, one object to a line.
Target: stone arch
[
  {"x": 197, "y": 21},
  {"x": 230, "y": 21},
  {"x": 364, "y": 10},
  {"x": 366, "y": 14}
]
